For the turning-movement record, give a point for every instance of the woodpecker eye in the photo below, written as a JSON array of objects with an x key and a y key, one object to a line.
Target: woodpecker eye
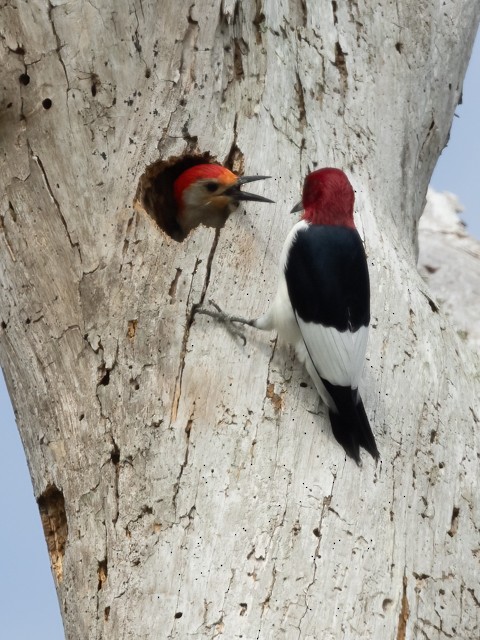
[{"x": 211, "y": 186}]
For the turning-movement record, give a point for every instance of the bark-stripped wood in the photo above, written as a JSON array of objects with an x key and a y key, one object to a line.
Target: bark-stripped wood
[
  {"x": 202, "y": 497},
  {"x": 449, "y": 260}
]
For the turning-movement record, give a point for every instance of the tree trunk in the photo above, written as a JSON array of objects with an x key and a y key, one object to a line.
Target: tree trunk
[{"x": 185, "y": 486}]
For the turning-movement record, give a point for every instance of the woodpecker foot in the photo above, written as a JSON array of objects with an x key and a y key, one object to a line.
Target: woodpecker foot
[{"x": 227, "y": 320}]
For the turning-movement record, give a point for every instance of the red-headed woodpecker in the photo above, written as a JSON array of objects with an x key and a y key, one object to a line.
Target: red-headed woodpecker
[
  {"x": 208, "y": 193},
  {"x": 322, "y": 305}
]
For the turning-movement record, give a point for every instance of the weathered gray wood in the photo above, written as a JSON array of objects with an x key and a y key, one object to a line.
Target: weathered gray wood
[
  {"x": 449, "y": 260},
  {"x": 202, "y": 497}
]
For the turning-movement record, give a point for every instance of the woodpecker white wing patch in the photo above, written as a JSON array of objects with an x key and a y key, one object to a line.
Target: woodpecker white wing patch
[{"x": 338, "y": 356}]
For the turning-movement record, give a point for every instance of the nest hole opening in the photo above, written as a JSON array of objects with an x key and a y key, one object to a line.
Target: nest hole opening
[
  {"x": 53, "y": 514},
  {"x": 102, "y": 572},
  {"x": 155, "y": 190}
]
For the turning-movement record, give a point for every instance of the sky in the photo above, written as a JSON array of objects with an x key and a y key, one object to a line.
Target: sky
[
  {"x": 28, "y": 603},
  {"x": 457, "y": 169}
]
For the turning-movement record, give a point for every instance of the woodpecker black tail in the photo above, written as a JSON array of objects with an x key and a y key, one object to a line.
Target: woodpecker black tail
[{"x": 350, "y": 424}]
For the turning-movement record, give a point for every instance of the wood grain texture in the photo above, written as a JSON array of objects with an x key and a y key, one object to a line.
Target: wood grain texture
[
  {"x": 202, "y": 496},
  {"x": 449, "y": 260}
]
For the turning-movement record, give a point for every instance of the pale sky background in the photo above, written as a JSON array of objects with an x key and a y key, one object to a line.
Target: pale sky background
[{"x": 28, "y": 602}]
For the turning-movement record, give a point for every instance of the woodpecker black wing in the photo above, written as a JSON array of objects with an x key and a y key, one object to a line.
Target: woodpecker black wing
[{"x": 328, "y": 285}]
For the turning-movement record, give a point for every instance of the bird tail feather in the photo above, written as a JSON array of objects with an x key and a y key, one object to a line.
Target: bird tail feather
[{"x": 350, "y": 424}]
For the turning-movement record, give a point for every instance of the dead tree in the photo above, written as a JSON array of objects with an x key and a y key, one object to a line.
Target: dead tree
[{"x": 185, "y": 486}]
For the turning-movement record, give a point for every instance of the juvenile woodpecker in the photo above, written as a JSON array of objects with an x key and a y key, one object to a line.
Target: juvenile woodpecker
[
  {"x": 208, "y": 193},
  {"x": 322, "y": 305}
]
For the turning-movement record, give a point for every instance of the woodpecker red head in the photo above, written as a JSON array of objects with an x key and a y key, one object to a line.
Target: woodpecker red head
[
  {"x": 208, "y": 193},
  {"x": 328, "y": 198}
]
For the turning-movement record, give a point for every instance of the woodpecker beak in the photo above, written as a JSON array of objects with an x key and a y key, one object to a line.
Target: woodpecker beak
[
  {"x": 235, "y": 193},
  {"x": 297, "y": 207}
]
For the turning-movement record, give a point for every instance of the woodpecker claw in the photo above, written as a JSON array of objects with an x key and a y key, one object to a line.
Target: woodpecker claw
[{"x": 226, "y": 318}]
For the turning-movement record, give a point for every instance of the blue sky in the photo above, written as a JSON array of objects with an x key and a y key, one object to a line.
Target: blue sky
[
  {"x": 457, "y": 169},
  {"x": 28, "y": 602}
]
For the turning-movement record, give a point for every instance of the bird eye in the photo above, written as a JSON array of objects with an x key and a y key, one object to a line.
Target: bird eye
[{"x": 211, "y": 186}]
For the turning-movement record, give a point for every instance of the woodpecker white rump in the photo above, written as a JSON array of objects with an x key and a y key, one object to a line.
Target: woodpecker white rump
[
  {"x": 322, "y": 305},
  {"x": 207, "y": 194}
]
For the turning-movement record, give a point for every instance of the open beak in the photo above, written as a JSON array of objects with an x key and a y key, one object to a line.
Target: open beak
[
  {"x": 236, "y": 194},
  {"x": 297, "y": 207}
]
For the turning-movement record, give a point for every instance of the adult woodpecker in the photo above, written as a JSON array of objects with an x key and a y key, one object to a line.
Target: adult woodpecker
[
  {"x": 207, "y": 194},
  {"x": 322, "y": 305}
]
